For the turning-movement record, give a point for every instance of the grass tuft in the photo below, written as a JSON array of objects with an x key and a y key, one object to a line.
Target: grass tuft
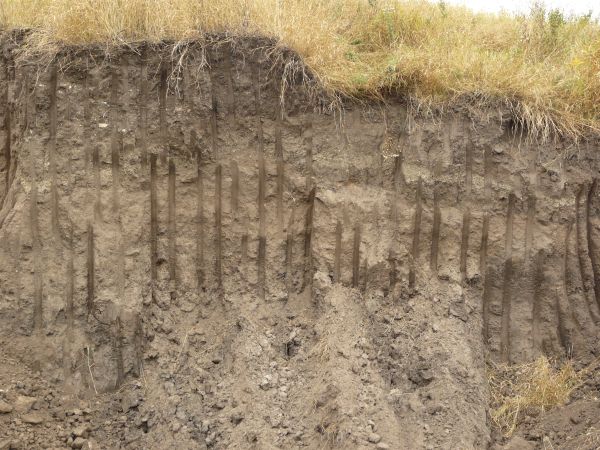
[
  {"x": 529, "y": 389},
  {"x": 543, "y": 67}
]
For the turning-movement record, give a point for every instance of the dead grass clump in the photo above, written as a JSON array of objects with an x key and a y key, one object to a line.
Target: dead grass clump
[
  {"x": 529, "y": 389},
  {"x": 542, "y": 66}
]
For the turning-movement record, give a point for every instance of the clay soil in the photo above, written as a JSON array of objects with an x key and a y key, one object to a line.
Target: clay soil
[{"x": 193, "y": 257}]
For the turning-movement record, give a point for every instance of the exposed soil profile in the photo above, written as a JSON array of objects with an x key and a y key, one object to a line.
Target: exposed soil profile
[{"x": 199, "y": 251}]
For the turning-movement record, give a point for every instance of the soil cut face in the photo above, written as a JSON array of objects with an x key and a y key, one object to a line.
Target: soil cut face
[{"x": 192, "y": 257}]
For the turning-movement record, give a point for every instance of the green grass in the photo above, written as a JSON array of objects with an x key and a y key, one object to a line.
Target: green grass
[{"x": 543, "y": 67}]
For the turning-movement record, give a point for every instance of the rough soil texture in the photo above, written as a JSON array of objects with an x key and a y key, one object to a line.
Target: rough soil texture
[{"x": 185, "y": 264}]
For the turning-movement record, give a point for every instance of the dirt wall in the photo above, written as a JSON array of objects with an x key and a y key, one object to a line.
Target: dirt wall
[{"x": 275, "y": 272}]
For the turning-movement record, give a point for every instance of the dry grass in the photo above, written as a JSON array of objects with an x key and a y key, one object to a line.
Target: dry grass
[
  {"x": 543, "y": 67},
  {"x": 529, "y": 389}
]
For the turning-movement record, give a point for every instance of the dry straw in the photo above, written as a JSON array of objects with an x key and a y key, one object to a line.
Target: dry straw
[{"x": 543, "y": 67}]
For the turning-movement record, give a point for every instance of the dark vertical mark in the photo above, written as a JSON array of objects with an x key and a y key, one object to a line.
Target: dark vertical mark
[
  {"x": 280, "y": 162},
  {"x": 218, "y": 236},
  {"x": 244, "y": 245},
  {"x": 114, "y": 138},
  {"x": 416, "y": 237},
  {"x": 70, "y": 282},
  {"x": 172, "y": 230},
  {"x": 583, "y": 257},
  {"x": 464, "y": 243},
  {"x": 309, "y": 138},
  {"x": 52, "y": 150},
  {"x": 466, "y": 222},
  {"x": 506, "y": 288},
  {"x": 398, "y": 179},
  {"x": 7, "y": 140},
  {"x": 308, "y": 234},
  {"x": 235, "y": 188},
  {"x": 356, "y": 256},
  {"x": 97, "y": 183},
  {"x": 289, "y": 253},
  {"x": 87, "y": 118},
  {"x": 162, "y": 112},
  {"x": 37, "y": 261},
  {"x": 118, "y": 351},
  {"x": 564, "y": 329},
  {"x": 199, "y": 213},
  {"x": 229, "y": 80},
  {"x": 213, "y": 115},
  {"x": 138, "y": 347},
  {"x": 487, "y": 292},
  {"x": 143, "y": 111},
  {"x": 153, "y": 221},
  {"x": 530, "y": 224},
  {"x": 485, "y": 228},
  {"x": 537, "y": 300},
  {"x": 365, "y": 275},
  {"x": 262, "y": 231},
  {"x": 393, "y": 271},
  {"x": 338, "y": 252},
  {"x": 91, "y": 273},
  {"x": 435, "y": 233},
  {"x": 592, "y": 247}
]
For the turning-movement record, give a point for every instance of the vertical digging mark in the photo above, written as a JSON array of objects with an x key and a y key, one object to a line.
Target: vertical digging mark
[
  {"x": 308, "y": 235},
  {"x": 464, "y": 243},
  {"x": 143, "y": 111},
  {"x": 229, "y": 80},
  {"x": 153, "y": 222},
  {"x": 172, "y": 229},
  {"x": 118, "y": 351},
  {"x": 485, "y": 227},
  {"x": 416, "y": 237},
  {"x": 466, "y": 222},
  {"x": 280, "y": 163},
  {"x": 338, "y": 252},
  {"x": 97, "y": 184},
  {"x": 398, "y": 181},
  {"x": 7, "y": 141},
  {"x": 52, "y": 150},
  {"x": 70, "y": 283},
  {"x": 162, "y": 113},
  {"x": 356, "y": 256},
  {"x": 138, "y": 346},
  {"x": 218, "y": 234},
  {"x": 487, "y": 289},
  {"x": 114, "y": 138},
  {"x": 213, "y": 115},
  {"x": 365, "y": 275},
  {"x": 235, "y": 188},
  {"x": 308, "y": 133},
  {"x": 530, "y": 224},
  {"x": 537, "y": 301},
  {"x": 393, "y": 272},
  {"x": 585, "y": 265},
  {"x": 200, "y": 277},
  {"x": 506, "y": 287},
  {"x": 262, "y": 179},
  {"x": 592, "y": 247},
  {"x": 244, "y": 246},
  {"x": 91, "y": 272},
  {"x": 435, "y": 233},
  {"x": 564, "y": 330},
  {"x": 37, "y": 261},
  {"x": 289, "y": 254}
]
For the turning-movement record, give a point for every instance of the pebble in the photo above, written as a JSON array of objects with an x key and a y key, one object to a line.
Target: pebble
[
  {"x": 374, "y": 438},
  {"x": 78, "y": 442},
  {"x": 5, "y": 408},
  {"x": 33, "y": 419},
  {"x": 24, "y": 403},
  {"x": 382, "y": 446}
]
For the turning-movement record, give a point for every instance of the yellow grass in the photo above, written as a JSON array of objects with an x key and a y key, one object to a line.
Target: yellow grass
[
  {"x": 529, "y": 389},
  {"x": 543, "y": 67}
]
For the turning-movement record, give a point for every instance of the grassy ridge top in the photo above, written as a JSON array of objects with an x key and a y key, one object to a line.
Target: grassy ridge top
[{"x": 543, "y": 66}]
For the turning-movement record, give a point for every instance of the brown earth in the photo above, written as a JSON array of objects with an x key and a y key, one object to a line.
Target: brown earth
[{"x": 186, "y": 264}]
